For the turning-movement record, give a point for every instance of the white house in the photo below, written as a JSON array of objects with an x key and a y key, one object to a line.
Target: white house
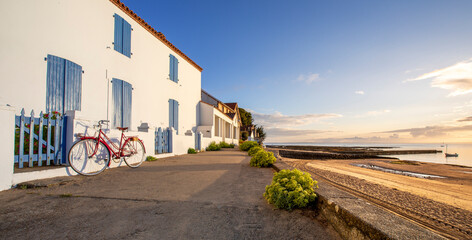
[
  {"x": 219, "y": 122},
  {"x": 97, "y": 60}
]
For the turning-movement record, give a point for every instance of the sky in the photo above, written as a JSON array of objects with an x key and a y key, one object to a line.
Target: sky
[{"x": 332, "y": 71}]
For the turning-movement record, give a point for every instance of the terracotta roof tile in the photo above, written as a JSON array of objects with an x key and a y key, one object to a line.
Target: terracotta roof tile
[
  {"x": 230, "y": 115},
  {"x": 232, "y": 105},
  {"x": 151, "y": 30}
]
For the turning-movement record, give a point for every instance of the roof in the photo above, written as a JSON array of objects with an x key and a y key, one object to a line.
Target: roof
[
  {"x": 232, "y": 105},
  {"x": 216, "y": 99},
  {"x": 231, "y": 115},
  {"x": 153, "y": 31},
  {"x": 209, "y": 95}
]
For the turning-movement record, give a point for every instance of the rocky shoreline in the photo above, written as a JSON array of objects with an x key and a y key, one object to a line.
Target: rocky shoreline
[{"x": 326, "y": 152}]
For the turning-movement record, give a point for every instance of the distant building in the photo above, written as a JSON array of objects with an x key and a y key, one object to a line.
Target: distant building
[{"x": 218, "y": 121}]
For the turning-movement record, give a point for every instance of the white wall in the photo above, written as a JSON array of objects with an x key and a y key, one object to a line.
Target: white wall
[
  {"x": 7, "y": 130},
  {"x": 206, "y": 114},
  {"x": 83, "y": 32}
]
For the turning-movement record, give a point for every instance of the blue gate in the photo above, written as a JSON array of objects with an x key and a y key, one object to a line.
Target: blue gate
[
  {"x": 163, "y": 141},
  {"x": 39, "y": 140},
  {"x": 198, "y": 141}
]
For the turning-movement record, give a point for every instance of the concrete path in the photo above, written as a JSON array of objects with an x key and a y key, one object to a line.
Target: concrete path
[{"x": 211, "y": 195}]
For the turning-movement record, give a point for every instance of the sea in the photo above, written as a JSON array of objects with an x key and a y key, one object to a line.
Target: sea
[{"x": 463, "y": 149}]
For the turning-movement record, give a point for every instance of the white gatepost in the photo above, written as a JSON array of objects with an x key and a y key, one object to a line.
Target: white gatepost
[{"x": 7, "y": 149}]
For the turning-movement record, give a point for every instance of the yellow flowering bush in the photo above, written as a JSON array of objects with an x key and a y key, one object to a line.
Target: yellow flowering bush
[
  {"x": 254, "y": 150},
  {"x": 291, "y": 189},
  {"x": 262, "y": 159},
  {"x": 245, "y": 146}
]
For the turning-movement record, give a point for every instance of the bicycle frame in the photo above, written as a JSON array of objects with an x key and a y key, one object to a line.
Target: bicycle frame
[{"x": 103, "y": 138}]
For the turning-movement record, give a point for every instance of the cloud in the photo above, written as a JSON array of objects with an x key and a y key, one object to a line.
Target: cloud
[
  {"x": 456, "y": 78},
  {"x": 359, "y": 92},
  {"x": 287, "y": 132},
  {"x": 432, "y": 131},
  {"x": 395, "y": 135},
  {"x": 466, "y": 119},
  {"x": 308, "y": 78},
  {"x": 357, "y": 139},
  {"x": 277, "y": 119}
]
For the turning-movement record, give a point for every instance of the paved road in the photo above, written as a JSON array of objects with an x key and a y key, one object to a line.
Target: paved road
[{"x": 211, "y": 195}]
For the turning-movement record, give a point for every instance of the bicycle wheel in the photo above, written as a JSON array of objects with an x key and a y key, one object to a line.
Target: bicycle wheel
[
  {"x": 88, "y": 158},
  {"x": 136, "y": 150}
]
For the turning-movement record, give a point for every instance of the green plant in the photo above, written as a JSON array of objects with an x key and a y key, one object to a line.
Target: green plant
[
  {"x": 291, "y": 189},
  {"x": 224, "y": 145},
  {"x": 232, "y": 145},
  {"x": 261, "y": 134},
  {"x": 246, "y": 117},
  {"x": 254, "y": 150},
  {"x": 245, "y": 146},
  {"x": 213, "y": 147},
  {"x": 244, "y": 135},
  {"x": 262, "y": 159},
  {"x": 150, "y": 158},
  {"x": 191, "y": 151}
]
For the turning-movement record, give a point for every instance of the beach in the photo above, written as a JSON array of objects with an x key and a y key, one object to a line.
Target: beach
[{"x": 443, "y": 198}]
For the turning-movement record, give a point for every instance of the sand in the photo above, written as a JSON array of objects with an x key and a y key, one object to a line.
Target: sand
[{"x": 455, "y": 189}]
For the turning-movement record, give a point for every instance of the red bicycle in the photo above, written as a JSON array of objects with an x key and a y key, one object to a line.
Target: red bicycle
[{"x": 91, "y": 155}]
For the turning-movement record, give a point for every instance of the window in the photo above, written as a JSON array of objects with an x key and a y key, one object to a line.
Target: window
[
  {"x": 64, "y": 85},
  {"x": 174, "y": 68},
  {"x": 174, "y": 115},
  {"x": 122, "y": 42},
  {"x": 121, "y": 99}
]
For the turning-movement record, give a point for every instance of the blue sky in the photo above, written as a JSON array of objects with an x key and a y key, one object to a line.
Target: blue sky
[{"x": 332, "y": 71}]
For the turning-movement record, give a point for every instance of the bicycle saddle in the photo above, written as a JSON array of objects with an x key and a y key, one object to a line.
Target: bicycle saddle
[{"x": 122, "y": 129}]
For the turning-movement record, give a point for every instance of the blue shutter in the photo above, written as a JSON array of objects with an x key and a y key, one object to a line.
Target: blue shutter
[
  {"x": 126, "y": 39},
  {"x": 127, "y": 103},
  {"x": 55, "y": 84},
  {"x": 176, "y": 70},
  {"x": 118, "y": 34},
  {"x": 117, "y": 101},
  {"x": 171, "y": 113},
  {"x": 72, "y": 86},
  {"x": 171, "y": 70},
  {"x": 176, "y": 116}
]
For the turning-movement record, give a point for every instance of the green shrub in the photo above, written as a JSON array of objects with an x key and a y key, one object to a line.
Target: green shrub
[
  {"x": 213, "y": 147},
  {"x": 191, "y": 151},
  {"x": 291, "y": 189},
  {"x": 244, "y": 135},
  {"x": 232, "y": 145},
  {"x": 150, "y": 158},
  {"x": 254, "y": 150},
  {"x": 245, "y": 146},
  {"x": 224, "y": 145},
  {"x": 262, "y": 159}
]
